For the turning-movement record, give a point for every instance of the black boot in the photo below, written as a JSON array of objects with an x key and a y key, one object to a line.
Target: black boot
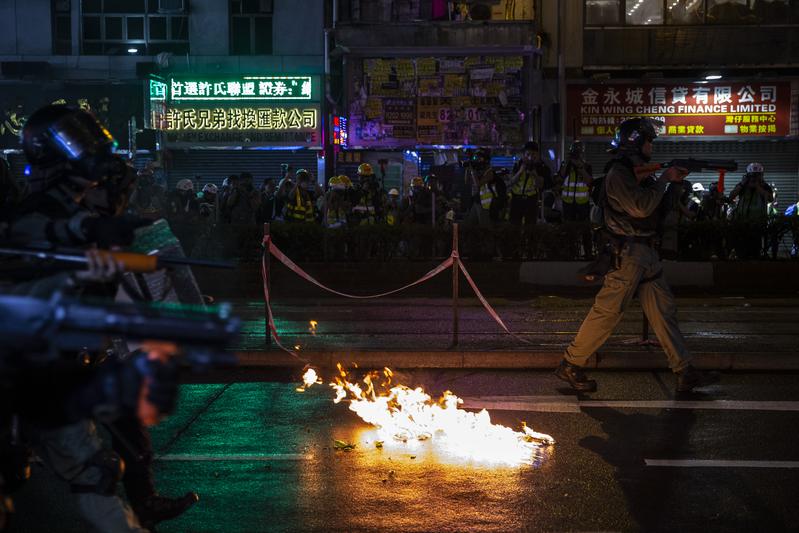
[
  {"x": 689, "y": 378},
  {"x": 575, "y": 377},
  {"x": 156, "y": 509}
]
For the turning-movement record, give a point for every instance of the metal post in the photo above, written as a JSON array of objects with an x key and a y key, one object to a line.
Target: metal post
[
  {"x": 455, "y": 265},
  {"x": 268, "y": 281}
]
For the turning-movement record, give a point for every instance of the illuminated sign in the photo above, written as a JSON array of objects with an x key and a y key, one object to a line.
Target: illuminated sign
[
  {"x": 340, "y": 134},
  {"x": 244, "y": 88},
  {"x": 718, "y": 109},
  {"x": 157, "y": 90},
  {"x": 240, "y": 118}
]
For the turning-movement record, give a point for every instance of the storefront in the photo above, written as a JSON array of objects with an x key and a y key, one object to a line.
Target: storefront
[
  {"x": 214, "y": 127},
  {"x": 742, "y": 121},
  {"x": 427, "y": 109}
]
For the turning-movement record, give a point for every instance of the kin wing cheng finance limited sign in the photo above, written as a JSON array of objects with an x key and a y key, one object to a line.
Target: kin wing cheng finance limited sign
[{"x": 694, "y": 110}]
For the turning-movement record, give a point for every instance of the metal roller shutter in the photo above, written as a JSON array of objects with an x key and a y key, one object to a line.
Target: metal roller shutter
[
  {"x": 213, "y": 166},
  {"x": 780, "y": 158}
]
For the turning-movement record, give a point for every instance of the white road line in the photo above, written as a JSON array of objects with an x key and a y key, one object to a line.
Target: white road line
[
  {"x": 558, "y": 404},
  {"x": 254, "y": 458},
  {"x": 718, "y": 463}
]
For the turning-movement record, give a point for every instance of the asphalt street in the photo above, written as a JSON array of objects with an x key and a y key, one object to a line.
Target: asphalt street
[{"x": 630, "y": 457}]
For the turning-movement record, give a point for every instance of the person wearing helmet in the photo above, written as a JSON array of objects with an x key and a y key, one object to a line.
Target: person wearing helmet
[
  {"x": 393, "y": 208},
  {"x": 751, "y": 197},
  {"x": 182, "y": 203},
  {"x": 208, "y": 201},
  {"x": 368, "y": 198},
  {"x": 336, "y": 206},
  {"x": 148, "y": 199},
  {"x": 419, "y": 204},
  {"x": 299, "y": 205},
  {"x": 631, "y": 221},
  {"x": 81, "y": 191},
  {"x": 244, "y": 200},
  {"x": 480, "y": 178},
  {"x": 530, "y": 177}
]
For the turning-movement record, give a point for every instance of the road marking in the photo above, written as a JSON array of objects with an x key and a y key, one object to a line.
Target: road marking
[
  {"x": 558, "y": 404},
  {"x": 254, "y": 458},
  {"x": 718, "y": 463}
]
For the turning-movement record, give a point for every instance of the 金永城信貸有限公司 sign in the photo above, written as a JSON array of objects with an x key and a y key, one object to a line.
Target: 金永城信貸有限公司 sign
[{"x": 721, "y": 109}]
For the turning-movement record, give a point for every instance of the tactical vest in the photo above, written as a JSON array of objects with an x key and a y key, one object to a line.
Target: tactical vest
[
  {"x": 486, "y": 196},
  {"x": 301, "y": 210}
]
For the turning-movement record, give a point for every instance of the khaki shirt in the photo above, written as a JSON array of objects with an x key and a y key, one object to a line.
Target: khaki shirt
[{"x": 632, "y": 207}]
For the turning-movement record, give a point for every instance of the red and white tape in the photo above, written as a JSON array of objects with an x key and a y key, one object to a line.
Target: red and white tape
[{"x": 269, "y": 247}]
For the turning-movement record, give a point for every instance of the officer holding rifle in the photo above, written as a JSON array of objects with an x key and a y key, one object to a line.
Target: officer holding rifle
[
  {"x": 631, "y": 205},
  {"x": 79, "y": 192}
]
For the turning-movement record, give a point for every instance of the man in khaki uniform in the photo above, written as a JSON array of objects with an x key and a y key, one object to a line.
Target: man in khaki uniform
[{"x": 631, "y": 218}]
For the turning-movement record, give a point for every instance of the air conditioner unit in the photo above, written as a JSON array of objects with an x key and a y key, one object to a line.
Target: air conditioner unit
[{"x": 172, "y": 6}]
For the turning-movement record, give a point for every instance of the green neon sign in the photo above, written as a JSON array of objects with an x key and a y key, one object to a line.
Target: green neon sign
[
  {"x": 157, "y": 90},
  {"x": 244, "y": 88}
]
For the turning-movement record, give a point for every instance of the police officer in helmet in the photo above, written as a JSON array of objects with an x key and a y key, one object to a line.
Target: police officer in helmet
[{"x": 631, "y": 220}]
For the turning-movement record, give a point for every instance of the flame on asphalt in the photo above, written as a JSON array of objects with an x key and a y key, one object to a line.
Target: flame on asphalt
[
  {"x": 406, "y": 415},
  {"x": 312, "y": 326}
]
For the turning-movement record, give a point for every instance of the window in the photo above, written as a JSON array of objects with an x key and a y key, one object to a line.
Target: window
[
  {"x": 112, "y": 27},
  {"x": 685, "y": 11},
  {"x": 643, "y": 12},
  {"x": 251, "y": 27},
  {"x": 602, "y": 12},
  {"x": 62, "y": 27}
]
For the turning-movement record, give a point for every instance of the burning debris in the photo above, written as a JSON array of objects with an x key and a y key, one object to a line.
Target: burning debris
[
  {"x": 312, "y": 327},
  {"x": 406, "y": 415}
]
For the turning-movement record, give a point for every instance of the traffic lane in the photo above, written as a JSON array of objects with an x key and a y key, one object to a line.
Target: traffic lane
[{"x": 595, "y": 478}]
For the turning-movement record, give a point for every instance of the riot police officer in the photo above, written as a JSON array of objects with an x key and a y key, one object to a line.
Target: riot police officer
[
  {"x": 81, "y": 190},
  {"x": 631, "y": 220}
]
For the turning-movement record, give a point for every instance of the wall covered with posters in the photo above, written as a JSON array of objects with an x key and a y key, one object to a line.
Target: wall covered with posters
[
  {"x": 114, "y": 105},
  {"x": 407, "y": 102},
  {"x": 730, "y": 110}
]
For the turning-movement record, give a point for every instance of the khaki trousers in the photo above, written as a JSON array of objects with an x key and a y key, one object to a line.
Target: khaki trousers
[{"x": 640, "y": 270}]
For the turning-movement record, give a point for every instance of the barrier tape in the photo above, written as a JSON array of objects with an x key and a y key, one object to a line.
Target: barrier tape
[
  {"x": 270, "y": 317},
  {"x": 486, "y": 305},
  {"x": 269, "y": 247},
  {"x": 280, "y": 256}
]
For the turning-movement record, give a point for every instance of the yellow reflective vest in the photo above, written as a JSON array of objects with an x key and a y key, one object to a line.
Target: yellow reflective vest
[
  {"x": 526, "y": 185},
  {"x": 575, "y": 190},
  {"x": 301, "y": 209}
]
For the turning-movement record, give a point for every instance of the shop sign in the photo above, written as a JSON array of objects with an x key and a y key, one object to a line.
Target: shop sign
[
  {"x": 242, "y": 88},
  {"x": 240, "y": 118},
  {"x": 340, "y": 133},
  {"x": 694, "y": 110}
]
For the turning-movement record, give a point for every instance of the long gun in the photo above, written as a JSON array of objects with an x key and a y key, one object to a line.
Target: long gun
[
  {"x": 39, "y": 330},
  {"x": 132, "y": 262},
  {"x": 692, "y": 165}
]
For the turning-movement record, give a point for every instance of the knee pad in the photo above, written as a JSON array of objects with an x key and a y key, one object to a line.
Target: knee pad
[{"x": 111, "y": 468}]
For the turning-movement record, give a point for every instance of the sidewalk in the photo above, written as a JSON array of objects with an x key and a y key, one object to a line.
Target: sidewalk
[{"x": 739, "y": 333}]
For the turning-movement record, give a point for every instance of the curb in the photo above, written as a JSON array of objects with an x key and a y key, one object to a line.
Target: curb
[{"x": 539, "y": 360}]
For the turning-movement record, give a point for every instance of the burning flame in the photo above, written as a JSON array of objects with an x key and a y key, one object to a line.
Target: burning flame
[
  {"x": 406, "y": 415},
  {"x": 309, "y": 378},
  {"x": 312, "y": 326}
]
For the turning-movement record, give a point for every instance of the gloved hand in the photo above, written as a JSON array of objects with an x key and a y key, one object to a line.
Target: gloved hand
[{"x": 113, "y": 231}]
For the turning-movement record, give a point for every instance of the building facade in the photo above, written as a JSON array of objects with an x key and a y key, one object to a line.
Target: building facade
[
  {"x": 105, "y": 54},
  {"x": 720, "y": 75}
]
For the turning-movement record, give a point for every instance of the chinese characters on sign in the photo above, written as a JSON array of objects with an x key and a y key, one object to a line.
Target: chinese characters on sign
[
  {"x": 724, "y": 109},
  {"x": 243, "y": 88},
  {"x": 239, "y": 118}
]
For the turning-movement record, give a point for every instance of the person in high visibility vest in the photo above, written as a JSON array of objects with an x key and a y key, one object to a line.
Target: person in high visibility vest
[
  {"x": 299, "y": 204},
  {"x": 576, "y": 178},
  {"x": 369, "y": 201},
  {"x": 393, "y": 208},
  {"x": 337, "y": 205},
  {"x": 530, "y": 177}
]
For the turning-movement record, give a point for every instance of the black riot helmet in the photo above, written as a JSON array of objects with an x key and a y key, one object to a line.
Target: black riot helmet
[
  {"x": 58, "y": 133},
  {"x": 631, "y": 135}
]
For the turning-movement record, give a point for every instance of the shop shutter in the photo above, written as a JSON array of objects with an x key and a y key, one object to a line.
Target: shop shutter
[{"x": 213, "y": 166}]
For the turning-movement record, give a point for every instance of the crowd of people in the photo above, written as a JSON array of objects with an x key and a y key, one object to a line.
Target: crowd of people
[{"x": 529, "y": 193}]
